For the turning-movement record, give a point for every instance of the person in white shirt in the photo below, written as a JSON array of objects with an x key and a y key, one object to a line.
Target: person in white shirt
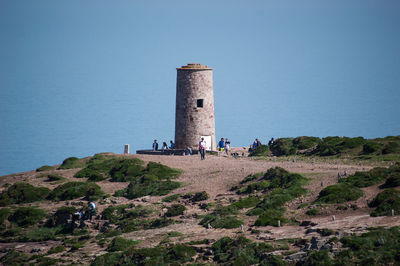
[{"x": 202, "y": 148}]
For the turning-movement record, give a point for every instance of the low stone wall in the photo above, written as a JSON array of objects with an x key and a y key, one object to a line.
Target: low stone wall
[{"x": 166, "y": 152}]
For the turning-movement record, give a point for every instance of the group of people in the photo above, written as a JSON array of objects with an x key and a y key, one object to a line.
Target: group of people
[
  {"x": 85, "y": 213},
  {"x": 164, "y": 146},
  {"x": 224, "y": 145},
  {"x": 258, "y": 143},
  {"x": 255, "y": 145}
]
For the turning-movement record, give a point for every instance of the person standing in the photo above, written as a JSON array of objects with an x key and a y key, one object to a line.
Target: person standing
[
  {"x": 155, "y": 145},
  {"x": 202, "y": 148},
  {"x": 227, "y": 146},
  {"x": 164, "y": 146},
  {"x": 221, "y": 144}
]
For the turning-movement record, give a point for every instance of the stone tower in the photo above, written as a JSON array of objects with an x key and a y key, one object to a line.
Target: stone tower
[{"x": 194, "y": 115}]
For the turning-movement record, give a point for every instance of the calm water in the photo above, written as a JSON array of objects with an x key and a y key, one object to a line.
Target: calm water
[{"x": 83, "y": 77}]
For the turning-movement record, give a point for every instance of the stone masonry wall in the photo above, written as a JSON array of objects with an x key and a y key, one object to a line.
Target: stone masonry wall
[{"x": 191, "y": 121}]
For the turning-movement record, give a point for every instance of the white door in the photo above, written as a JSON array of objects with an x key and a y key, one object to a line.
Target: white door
[{"x": 208, "y": 142}]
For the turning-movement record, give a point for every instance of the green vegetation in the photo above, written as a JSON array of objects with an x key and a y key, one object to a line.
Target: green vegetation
[
  {"x": 377, "y": 247},
  {"x": 45, "y": 168},
  {"x": 262, "y": 150},
  {"x": 171, "y": 198},
  {"x": 242, "y": 251},
  {"x": 248, "y": 202},
  {"x": 339, "y": 193},
  {"x": 147, "y": 185},
  {"x": 25, "y": 216},
  {"x": 14, "y": 257},
  {"x": 393, "y": 180},
  {"x": 385, "y": 201},
  {"x": 121, "y": 244},
  {"x": 196, "y": 197},
  {"x": 53, "y": 178},
  {"x": 312, "y": 212},
  {"x": 175, "y": 210},
  {"x": 61, "y": 216},
  {"x": 320, "y": 257},
  {"x": 279, "y": 187},
  {"x": 73, "y": 190},
  {"x": 174, "y": 254},
  {"x": 222, "y": 217},
  {"x": 72, "y": 162},
  {"x": 387, "y": 148},
  {"x": 4, "y": 214},
  {"x": 129, "y": 218},
  {"x": 56, "y": 249},
  {"x": 23, "y": 193},
  {"x": 365, "y": 179}
]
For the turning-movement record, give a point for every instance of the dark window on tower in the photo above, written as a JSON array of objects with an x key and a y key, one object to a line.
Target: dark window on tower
[{"x": 200, "y": 103}]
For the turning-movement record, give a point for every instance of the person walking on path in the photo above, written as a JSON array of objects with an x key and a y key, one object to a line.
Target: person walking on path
[
  {"x": 155, "y": 145},
  {"x": 202, "y": 148},
  {"x": 227, "y": 146}
]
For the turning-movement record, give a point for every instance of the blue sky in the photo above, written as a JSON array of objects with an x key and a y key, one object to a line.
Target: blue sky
[{"x": 80, "y": 77}]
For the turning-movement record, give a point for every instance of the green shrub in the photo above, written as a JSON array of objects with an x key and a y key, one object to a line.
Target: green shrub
[
  {"x": 72, "y": 162},
  {"x": 252, "y": 177},
  {"x": 23, "y": 193},
  {"x": 147, "y": 185},
  {"x": 312, "y": 212},
  {"x": 391, "y": 147},
  {"x": 4, "y": 214},
  {"x": 280, "y": 178},
  {"x": 385, "y": 201},
  {"x": 305, "y": 142},
  {"x": 171, "y": 198},
  {"x": 271, "y": 217},
  {"x": 262, "y": 150},
  {"x": 371, "y": 147},
  {"x": 125, "y": 170},
  {"x": 174, "y": 254},
  {"x": 336, "y": 145},
  {"x": 242, "y": 251},
  {"x": 38, "y": 234},
  {"x": 61, "y": 216},
  {"x": 199, "y": 196},
  {"x": 222, "y": 217},
  {"x": 25, "y": 216},
  {"x": 366, "y": 179},
  {"x": 121, "y": 244},
  {"x": 162, "y": 171},
  {"x": 14, "y": 257},
  {"x": 377, "y": 247},
  {"x": 253, "y": 187},
  {"x": 175, "y": 210},
  {"x": 56, "y": 249},
  {"x": 73, "y": 190},
  {"x": 45, "y": 168},
  {"x": 339, "y": 193},
  {"x": 282, "y": 147},
  {"x": 320, "y": 257},
  {"x": 393, "y": 180},
  {"x": 51, "y": 178},
  {"x": 246, "y": 202}
]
